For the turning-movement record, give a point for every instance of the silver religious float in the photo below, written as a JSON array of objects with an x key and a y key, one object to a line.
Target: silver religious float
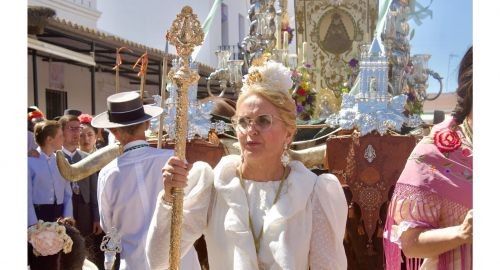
[{"x": 373, "y": 107}]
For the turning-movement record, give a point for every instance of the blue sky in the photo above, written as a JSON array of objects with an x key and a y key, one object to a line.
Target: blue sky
[{"x": 448, "y": 32}]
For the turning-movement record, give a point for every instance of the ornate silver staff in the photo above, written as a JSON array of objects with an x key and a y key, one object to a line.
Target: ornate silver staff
[{"x": 185, "y": 33}]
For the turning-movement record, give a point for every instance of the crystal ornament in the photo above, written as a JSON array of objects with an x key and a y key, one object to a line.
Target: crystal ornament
[
  {"x": 377, "y": 115},
  {"x": 199, "y": 116}
]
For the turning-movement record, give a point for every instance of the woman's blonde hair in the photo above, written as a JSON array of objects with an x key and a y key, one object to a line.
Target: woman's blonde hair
[{"x": 282, "y": 101}]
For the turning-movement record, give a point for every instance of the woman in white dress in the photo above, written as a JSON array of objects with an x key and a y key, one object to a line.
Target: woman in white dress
[{"x": 258, "y": 210}]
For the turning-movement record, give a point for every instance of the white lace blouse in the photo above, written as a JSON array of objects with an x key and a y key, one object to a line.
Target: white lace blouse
[
  {"x": 261, "y": 196},
  {"x": 305, "y": 228}
]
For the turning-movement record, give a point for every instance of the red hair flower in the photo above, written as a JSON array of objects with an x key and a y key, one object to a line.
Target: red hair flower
[
  {"x": 447, "y": 140},
  {"x": 35, "y": 114},
  {"x": 85, "y": 118}
]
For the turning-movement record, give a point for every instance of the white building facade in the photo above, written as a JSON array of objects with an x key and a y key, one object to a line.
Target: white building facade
[
  {"x": 83, "y": 12},
  {"x": 147, "y": 22},
  {"x": 143, "y": 22}
]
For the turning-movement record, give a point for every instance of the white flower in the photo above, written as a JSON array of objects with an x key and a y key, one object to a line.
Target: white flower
[
  {"x": 46, "y": 243},
  {"x": 274, "y": 76},
  {"x": 48, "y": 238}
]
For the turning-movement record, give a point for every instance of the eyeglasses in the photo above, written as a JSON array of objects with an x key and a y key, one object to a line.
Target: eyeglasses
[
  {"x": 74, "y": 129},
  {"x": 262, "y": 122}
]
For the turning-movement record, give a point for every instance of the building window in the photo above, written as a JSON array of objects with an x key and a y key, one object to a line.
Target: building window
[
  {"x": 224, "y": 25},
  {"x": 56, "y": 102}
]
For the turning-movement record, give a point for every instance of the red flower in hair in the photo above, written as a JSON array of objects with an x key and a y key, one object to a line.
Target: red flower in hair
[
  {"x": 447, "y": 140},
  {"x": 85, "y": 118},
  {"x": 35, "y": 114}
]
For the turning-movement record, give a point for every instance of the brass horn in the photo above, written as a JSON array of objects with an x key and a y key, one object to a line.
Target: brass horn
[
  {"x": 89, "y": 165},
  {"x": 311, "y": 157}
]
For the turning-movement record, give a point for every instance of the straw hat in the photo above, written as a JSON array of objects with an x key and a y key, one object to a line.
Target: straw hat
[{"x": 125, "y": 109}]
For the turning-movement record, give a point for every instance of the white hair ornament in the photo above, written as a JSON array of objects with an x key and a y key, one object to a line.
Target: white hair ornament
[
  {"x": 48, "y": 238},
  {"x": 270, "y": 75}
]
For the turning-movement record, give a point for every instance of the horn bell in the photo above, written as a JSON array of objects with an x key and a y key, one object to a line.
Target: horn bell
[
  {"x": 89, "y": 165},
  {"x": 311, "y": 157}
]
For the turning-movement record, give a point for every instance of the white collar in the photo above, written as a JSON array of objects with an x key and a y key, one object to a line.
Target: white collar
[
  {"x": 67, "y": 152},
  {"x": 39, "y": 149}
]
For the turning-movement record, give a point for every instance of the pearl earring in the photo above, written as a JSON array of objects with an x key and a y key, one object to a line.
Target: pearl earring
[{"x": 285, "y": 156}]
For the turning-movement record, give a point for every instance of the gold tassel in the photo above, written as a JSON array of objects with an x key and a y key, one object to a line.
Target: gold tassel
[
  {"x": 380, "y": 232},
  {"x": 369, "y": 246},
  {"x": 213, "y": 138},
  {"x": 361, "y": 229}
]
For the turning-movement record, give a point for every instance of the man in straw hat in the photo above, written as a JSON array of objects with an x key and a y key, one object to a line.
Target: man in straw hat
[{"x": 129, "y": 185}]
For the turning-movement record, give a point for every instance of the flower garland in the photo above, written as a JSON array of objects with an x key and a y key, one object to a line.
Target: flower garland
[
  {"x": 414, "y": 102},
  {"x": 413, "y": 105},
  {"x": 302, "y": 93}
]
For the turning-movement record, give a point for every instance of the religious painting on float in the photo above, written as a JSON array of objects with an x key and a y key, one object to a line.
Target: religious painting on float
[{"x": 334, "y": 31}]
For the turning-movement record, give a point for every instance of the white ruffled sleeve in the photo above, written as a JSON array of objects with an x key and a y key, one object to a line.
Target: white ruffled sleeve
[
  {"x": 196, "y": 203},
  {"x": 328, "y": 225}
]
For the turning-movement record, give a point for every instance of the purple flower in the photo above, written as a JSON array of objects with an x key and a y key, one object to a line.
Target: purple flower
[
  {"x": 308, "y": 65},
  {"x": 290, "y": 34},
  {"x": 353, "y": 63},
  {"x": 310, "y": 99},
  {"x": 300, "y": 108}
]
